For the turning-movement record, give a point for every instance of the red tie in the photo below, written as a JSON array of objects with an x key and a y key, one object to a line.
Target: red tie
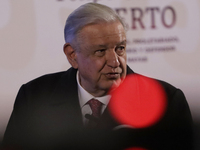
[{"x": 96, "y": 106}]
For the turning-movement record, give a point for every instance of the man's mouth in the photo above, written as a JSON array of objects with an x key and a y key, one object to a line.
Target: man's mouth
[{"x": 113, "y": 75}]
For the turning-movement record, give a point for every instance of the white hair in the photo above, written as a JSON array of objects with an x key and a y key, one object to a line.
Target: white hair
[{"x": 90, "y": 13}]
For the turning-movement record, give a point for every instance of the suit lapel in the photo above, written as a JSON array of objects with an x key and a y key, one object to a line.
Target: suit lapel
[{"x": 64, "y": 100}]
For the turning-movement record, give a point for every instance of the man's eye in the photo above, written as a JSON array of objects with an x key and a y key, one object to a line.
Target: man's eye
[
  {"x": 100, "y": 52},
  {"x": 120, "y": 50}
]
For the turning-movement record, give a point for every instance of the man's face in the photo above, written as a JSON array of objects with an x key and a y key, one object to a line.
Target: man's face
[{"x": 101, "y": 58}]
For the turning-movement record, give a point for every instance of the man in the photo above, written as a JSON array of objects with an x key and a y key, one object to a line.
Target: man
[{"x": 54, "y": 111}]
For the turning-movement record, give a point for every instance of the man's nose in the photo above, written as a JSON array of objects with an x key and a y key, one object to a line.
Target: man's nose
[{"x": 112, "y": 59}]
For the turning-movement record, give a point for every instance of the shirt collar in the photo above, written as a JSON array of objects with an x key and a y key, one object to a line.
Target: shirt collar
[{"x": 84, "y": 96}]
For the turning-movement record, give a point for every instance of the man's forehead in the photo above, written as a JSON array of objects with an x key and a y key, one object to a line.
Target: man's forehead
[{"x": 102, "y": 30}]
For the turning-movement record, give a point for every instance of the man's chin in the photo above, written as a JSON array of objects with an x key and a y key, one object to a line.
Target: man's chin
[
  {"x": 110, "y": 85},
  {"x": 115, "y": 84}
]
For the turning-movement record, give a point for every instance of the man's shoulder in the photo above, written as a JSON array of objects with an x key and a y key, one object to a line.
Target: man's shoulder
[
  {"x": 42, "y": 89},
  {"x": 52, "y": 78},
  {"x": 169, "y": 88},
  {"x": 166, "y": 86}
]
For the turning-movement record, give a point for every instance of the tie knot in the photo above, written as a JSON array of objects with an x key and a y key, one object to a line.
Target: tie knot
[{"x": 96, "y": 106}]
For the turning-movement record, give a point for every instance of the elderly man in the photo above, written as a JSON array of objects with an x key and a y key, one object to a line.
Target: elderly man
[{"x": 57, "y": 110}]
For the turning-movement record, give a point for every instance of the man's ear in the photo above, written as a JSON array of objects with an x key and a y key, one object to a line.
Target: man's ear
[{"x": 71, "y": 55}]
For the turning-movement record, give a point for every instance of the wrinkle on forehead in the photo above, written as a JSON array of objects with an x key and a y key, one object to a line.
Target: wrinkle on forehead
[{"x": 108, "y": 30}]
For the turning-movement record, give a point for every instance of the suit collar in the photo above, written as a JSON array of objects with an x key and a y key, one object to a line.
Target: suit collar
[
  {"x": 66, "y": 88},
  {"x": 129, "y": 70}
]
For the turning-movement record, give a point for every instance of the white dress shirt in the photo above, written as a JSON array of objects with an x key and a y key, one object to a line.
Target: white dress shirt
[{"x": 84, "y": 97}]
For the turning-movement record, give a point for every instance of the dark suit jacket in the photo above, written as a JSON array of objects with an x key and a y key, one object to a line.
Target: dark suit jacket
[{"x": 47, "y": 115}]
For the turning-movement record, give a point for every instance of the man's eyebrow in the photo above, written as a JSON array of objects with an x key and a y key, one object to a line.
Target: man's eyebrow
[
  {"x": 102, "y": 46},
  {"x": 122, "y": 42}
]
